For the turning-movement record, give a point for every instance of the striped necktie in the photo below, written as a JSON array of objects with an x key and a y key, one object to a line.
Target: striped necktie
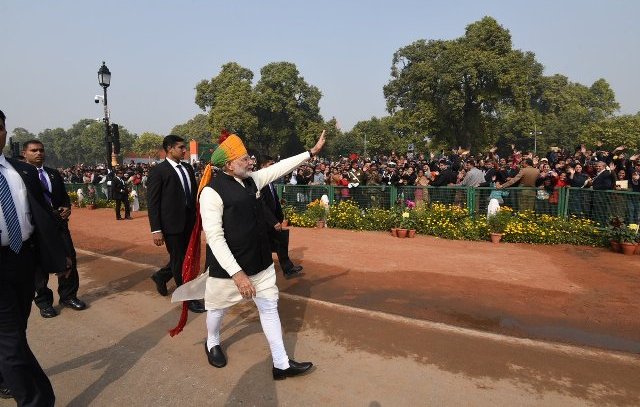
[
  {"x": 187, "y": 190},
  {"x": 45, "y": 185},
  {"x": 10, "y": 216}
]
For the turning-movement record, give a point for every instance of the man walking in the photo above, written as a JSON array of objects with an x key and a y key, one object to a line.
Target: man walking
[
  {"x": 239, "y": 260},
  {"x": 120, "y": 194},
  {"x": 59, "y": 203},
  {"x": 171, "y": 198},
  {"x": 273, "y": 216},
  {"x": 29, "y": 240}
]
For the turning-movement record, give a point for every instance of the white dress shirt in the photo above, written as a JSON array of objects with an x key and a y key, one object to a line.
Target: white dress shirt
[
  {"x": 19, "y": 195},
  {"x": 177, "y": 170}
]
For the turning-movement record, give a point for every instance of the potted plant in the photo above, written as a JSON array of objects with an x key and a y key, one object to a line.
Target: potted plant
[
  {"x": 91, "y": 198},
  {"x": 615, "y": 232},
  {"x": 317, "y": 212},
  {"x": 627, "y": 239},
  {"x": 497, "y": 223},
  {"x": 408, "y": 222}
]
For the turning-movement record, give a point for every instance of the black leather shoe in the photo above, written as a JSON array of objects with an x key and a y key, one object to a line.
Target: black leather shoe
[
  {"x": 118, "y": 218},
  {"x": 48, "y": 312},
  {"x": 215, "y": 356},
  {"x": 5, "y": 393},
  {"x": 161, "y": 286},
  {"x": 74, "y": 303},
  {"x": 294, "y": 369},
  {"x": 294, "y": 271},
  {"x": 196, "y": 306},
  {"x": 129, "y": 218}
]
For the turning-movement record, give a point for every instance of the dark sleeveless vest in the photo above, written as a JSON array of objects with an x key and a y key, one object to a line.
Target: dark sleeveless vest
[{"x": 244, "y": 227}]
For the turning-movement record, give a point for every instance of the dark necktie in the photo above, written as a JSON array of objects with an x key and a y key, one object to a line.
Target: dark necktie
[
  {"x": 10, "y": 216},
  {"x": 187, "y": 190},
  {"x": 275, "y": 196},
  {"x": 45, "y": 186}
]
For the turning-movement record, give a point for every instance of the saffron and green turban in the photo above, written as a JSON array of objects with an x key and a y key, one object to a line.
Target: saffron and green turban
[{"x": 230, "y": 148}]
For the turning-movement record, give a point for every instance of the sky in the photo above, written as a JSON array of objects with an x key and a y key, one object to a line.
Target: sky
[{"x": 157, "y": 51}]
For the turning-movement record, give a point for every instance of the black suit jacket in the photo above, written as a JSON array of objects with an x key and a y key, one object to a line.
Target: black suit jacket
[
  {"x": 604, "y": 181},
  {"x": 272, "y": 212},
  {"x": 51, "y": 250},
  {"x": 119, "y": 189},
  {"x": 445, "y": 178},
  {"x": 59, "y": 195},
  {"x": 166, "y": 205}
]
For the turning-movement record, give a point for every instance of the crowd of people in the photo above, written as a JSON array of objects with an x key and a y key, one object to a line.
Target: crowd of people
[
  {"x": 585, "y": 169},
  {"x": 595, "y": 169}
]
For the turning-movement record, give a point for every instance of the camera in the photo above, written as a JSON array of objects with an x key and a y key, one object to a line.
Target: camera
[{"x": 97, "y": 98}]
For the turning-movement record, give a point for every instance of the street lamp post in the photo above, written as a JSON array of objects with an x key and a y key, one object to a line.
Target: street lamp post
[
  {"x": 104, "y": 79},
  {"x": 535, "y": 133}
]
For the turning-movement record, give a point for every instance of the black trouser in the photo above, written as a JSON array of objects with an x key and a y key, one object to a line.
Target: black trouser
[
  {"x": 177, "y": 247},
  {"x": 280, "y": 244},
  {"x": 20, "y": 372},
  {"x": 67, "y": 286},
  {"x": 127, "y": 210}
]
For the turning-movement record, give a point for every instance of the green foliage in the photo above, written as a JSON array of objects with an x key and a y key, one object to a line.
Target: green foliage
[
  {"x": 298, "y": 219},
  {"x": 18, "y": 135},
  {"x": 621, "y": 233},
  {"x": 197, "y": 128},
  {"x": 457, "y": 89},
  {"x": 280, "y": 115},
  {"x": 528, "y": 227},
  {"x": 467, "y": 91},
  {"x": 377, "y": 219},
  {"x": 148, "y": 145},
  {"x": 345, "y": 215},
  {"x": 316, "y": 210},
  {"x": 498, "y": 222},
  {"x": 613, "y": 132}
]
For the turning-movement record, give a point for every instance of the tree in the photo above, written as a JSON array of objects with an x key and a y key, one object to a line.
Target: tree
[
  {"x": 148, "y": 144},
  {"x": 197, "y": 128},
  {"x": 18, "y": 135},
  {"x": 278, "y": 116},
  {"x": 568, "y": 108},
  {"x": 229, "y": 99},
  {"x": 613, "y": 132},
  {"x": 456, "y": 90},
  {"x": 48, "y": 137},
  {"x": 287, "y": 107},
  {"x": 85, "y": 143}
]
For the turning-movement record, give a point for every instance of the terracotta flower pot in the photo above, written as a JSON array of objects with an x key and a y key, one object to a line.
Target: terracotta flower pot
[
  {"x": 638, "y": 248},
  {"x": 628, "y": 249},
  {"x": 412, "y": 233},
  {"x": 394, "y": 232},
  {"x": 496, "y": 237},
  {"x": 615, "y": 246},
  {"x": 91, "y": 206},
  {"x": 402, "y": 233}
]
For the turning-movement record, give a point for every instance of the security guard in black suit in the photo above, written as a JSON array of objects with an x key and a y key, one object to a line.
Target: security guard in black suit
[
  {"x": 29, "y": 241},
  {"x": 120, "y": 194},
  {"x": 57, "y": 198}
]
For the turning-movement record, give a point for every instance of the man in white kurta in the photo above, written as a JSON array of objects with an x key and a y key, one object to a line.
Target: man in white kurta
[{"x": 220, "y": 291}]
